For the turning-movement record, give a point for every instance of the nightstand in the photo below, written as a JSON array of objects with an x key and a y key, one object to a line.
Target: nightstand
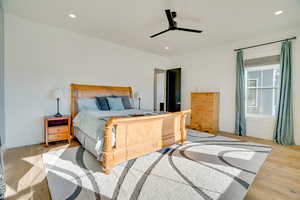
[{"x": 57, "y": 129}]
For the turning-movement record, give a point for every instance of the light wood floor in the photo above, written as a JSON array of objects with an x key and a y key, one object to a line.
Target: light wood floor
[{"x": 279, "y": 177}]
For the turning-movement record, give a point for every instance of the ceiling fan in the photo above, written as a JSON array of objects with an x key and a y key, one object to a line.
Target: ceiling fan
[{"x": 173, "y": 25}]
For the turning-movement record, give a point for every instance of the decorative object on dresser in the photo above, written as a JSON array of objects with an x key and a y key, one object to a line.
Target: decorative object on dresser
[
  {"x": 205, "y": 111},
  {"x": 57, "y": 128},
  {"x": 58, "y": 94}
]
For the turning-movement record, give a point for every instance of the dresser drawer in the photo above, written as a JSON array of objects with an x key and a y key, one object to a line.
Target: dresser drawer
[
  {"x": 62, "y": 136},
  {"x": 206, "y": 125},
  {"x": 202, "y": 107},
  {"x": 202, "y": 115},
  {"x": 204, "y": 99},
  {"x": 58, "y": 129}
]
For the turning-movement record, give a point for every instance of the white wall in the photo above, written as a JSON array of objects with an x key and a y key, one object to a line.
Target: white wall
[
  {"x": 213, "y": 69},
  {"x": 40, "y": 58}
]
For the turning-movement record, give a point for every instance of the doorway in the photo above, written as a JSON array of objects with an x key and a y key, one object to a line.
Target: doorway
[
  {"x": 167, "y": 90},
  {"x": 173, "y": 90},
  {"x": 159, "y": 89}
]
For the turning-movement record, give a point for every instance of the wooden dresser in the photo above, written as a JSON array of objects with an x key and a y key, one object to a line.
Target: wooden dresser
[
  {"x": 57, "y": 129},
  {"x": 205, "y": 111}
]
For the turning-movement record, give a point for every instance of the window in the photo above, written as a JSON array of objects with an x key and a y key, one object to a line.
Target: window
[
  {"x": 262, "y": 90},
  {"x": 252, "y": 92}
]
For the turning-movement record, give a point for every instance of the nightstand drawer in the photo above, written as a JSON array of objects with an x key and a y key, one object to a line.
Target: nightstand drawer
[
  {"x": 62, "y": 136},
  {"x": 58, "y": 129}
]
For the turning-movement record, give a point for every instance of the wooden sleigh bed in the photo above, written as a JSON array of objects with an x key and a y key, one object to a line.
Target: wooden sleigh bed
[{"x": 134, "y": 136}]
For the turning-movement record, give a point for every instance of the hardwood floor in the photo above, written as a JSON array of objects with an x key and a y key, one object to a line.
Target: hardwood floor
[
  {"x": 25, "y": 173},
  {"x": 278, "y": 179}
]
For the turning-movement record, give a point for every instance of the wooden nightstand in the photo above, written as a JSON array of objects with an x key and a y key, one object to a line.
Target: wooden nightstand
[{"x": 57, "y": 129}]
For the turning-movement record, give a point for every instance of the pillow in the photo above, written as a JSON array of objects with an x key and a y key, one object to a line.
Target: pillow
[
  {"x": 86, "y": 104},
  {"x": 126, "y": 102},
  {"x": 102, "y": 103},
  {"x": 115, "y": 103},
  {"x": 133, "y": 103}
]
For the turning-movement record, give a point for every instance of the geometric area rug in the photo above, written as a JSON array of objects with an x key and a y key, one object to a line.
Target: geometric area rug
[{"x": 205, "y": 167}]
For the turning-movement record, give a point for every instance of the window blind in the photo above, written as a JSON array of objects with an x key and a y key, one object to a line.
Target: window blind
[{"x": 263, "y": 61}]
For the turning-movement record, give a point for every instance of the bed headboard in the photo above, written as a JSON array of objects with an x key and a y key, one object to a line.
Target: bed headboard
[{"x": 92, "y": 91}]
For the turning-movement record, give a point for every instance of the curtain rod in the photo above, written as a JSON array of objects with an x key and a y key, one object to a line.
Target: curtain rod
[{"x": 258, "y": 45}]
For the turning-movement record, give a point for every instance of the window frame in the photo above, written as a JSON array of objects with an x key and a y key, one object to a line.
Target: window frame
[
  {"x": 256, "y": 92},
  {"x": 273, "y": 87}
]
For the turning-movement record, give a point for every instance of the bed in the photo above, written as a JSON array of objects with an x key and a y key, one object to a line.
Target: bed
[{"x": 127, "y": 137}]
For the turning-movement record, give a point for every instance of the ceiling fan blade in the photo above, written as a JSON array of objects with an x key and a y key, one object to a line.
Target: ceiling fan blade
[
  {"x": 170, "y": 18},
  {"x": 152, "y": 36},
  {"x": 189, "y": 30}
]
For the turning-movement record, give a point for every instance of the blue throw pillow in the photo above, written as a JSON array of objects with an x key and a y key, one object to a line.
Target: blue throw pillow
[
  {"x": 133, "y": 103},
  {"x": 115, "y": 103},
  {"x": 87, "y": 104},
  {"x": 102, "y": 103},
  {"x": 126, "y": 102}
]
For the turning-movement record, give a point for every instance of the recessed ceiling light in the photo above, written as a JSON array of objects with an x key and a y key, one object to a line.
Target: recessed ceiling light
[
  {"x": 279, "y": 12},
  {"x": 166, "y": 48},
  {"x": 73, "y": 16}
]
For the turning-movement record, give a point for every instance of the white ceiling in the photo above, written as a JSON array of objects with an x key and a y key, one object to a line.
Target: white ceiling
[{"x": 129, "y": 23}]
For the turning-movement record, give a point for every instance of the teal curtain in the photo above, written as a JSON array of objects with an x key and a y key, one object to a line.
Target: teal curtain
[
  {"x": 240, "y": 117},
  {"x": 284, "y": 127}
]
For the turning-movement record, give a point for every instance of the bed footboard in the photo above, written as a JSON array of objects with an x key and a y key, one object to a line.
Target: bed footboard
[{"x": 137, "y": 136}]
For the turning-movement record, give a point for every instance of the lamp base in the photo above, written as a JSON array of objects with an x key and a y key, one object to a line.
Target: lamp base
[
  {"x": 58, "y": 115},
  {"x": 139, "y": 103}
]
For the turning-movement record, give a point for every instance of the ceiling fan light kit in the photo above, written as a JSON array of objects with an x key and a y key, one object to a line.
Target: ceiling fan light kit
[{"x": 173, "y": 25}]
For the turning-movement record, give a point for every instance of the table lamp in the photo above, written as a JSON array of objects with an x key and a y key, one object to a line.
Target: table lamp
[
  {"x": 137, "y": 96},
  {"x": 58, "y": 94}
]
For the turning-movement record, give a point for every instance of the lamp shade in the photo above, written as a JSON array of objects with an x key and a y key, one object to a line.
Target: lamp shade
[
  {"x": 58, "y": 93},
  {"x": 136, "y": 95}
]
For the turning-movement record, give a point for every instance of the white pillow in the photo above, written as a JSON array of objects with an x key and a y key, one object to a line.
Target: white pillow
[{"x": 87, "y": 104}]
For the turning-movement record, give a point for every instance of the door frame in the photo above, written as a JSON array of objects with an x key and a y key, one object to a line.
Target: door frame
[{"x": 155, "y": 103}]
